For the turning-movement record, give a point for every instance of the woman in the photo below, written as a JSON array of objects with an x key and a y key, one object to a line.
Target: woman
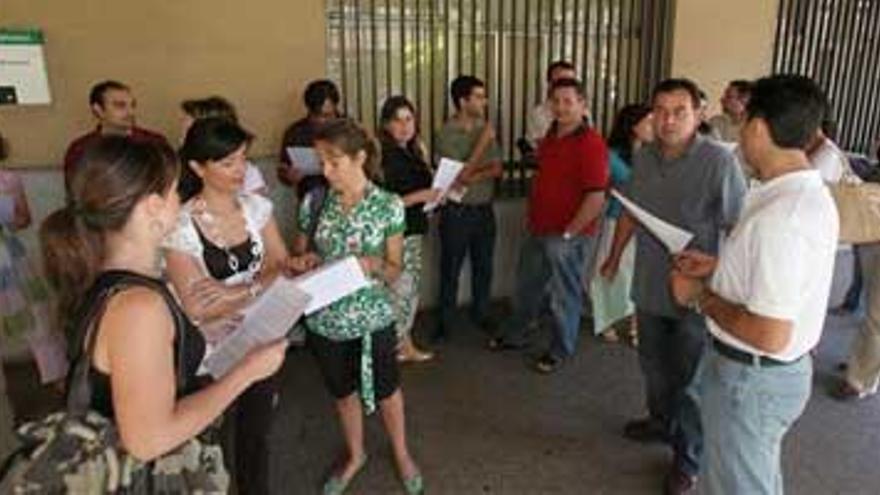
[
  {"x": 216, "y": 106},
  {"x": 225, "y": 249},
  {"x": 123, "y": 203},
  {"x": 406, "y": 172},
  {"x": 611, "y": 300},
  {"x": 353, "y": 339}
]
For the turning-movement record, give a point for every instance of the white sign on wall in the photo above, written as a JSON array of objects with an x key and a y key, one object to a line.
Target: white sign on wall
[{"x": 23, "y": 78}]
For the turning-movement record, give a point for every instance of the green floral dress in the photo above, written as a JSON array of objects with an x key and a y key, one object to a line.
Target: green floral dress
[{"x": 363, "y": 231}]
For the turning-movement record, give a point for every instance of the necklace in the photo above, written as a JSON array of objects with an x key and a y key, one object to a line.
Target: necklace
[{"x": 211, "y": 225}]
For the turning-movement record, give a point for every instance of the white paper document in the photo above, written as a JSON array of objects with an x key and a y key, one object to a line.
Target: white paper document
[
  {"x": 331, "y": 282},
  {"x": 305, "y": 160},
  {"x": 674, "y": 238},
  {"x": 447, "y": 171},
  {"x": 266, "y": 319}
]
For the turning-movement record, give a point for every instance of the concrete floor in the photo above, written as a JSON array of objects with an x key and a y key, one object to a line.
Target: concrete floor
[{"x": 482, "y": 423}]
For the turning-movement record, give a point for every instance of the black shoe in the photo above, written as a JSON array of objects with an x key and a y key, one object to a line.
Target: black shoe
[
  {"x": 499, "y": 344},
  {"x": 548, "y": 364},
  {"x": 678, "y": 482},
  {"x": 646, "y": 430}
]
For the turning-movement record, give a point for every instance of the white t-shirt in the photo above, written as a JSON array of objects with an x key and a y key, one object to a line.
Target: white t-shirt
[
  {"x": 830, "y": 161},
  {"x": 779, "y": 259},
  {"x": 253, "y": 179}
]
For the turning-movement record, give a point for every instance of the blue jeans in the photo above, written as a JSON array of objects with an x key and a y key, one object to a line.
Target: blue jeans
[
  {"x": 747, "y": 410},
  {"x": 669, "y": 355},
  {"x": 466, "y": 230},
  {"x": 551, "y": 268}
]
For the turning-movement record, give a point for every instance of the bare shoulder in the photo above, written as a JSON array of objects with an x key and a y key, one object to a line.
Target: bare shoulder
[{"x": 134, "y": 308}]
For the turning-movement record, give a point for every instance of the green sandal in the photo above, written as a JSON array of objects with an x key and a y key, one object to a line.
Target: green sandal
[
  {"x": 336, "y": 485},
  {"x": 414, "y": 485}
]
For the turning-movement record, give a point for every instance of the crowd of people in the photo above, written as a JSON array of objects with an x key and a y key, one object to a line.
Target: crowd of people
[{"x": 172, "y": 245}]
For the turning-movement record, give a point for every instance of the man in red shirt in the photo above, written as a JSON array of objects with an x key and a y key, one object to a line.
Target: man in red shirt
[
  {"x": 565, "y": 203},
  {"x": 114, "y": 106}
]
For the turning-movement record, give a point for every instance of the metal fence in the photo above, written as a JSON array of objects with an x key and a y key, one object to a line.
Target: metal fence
[
  {"x": 837, "y": 43},
  {"x": 378, "y": 48}
]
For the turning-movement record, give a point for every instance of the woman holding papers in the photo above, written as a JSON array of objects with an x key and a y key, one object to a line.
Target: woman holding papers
[
  {"x": 225, "y": 249},
  {"x": 610, "y": 296},
  {"x": 407, "y": 173},
  {"x": 354, "y": 340},
  {"x": 102, "y": 250}
]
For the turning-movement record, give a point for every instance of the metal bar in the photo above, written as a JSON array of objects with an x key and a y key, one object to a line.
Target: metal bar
[
  {"x": 432, "y": 82},
  {"x": 459, "y": 48},
  {"x": 487, "y": 37},
  {"x": 512, "y": 82},
  {"x": 473, "y": 37},
  {"x": 374, "y": 40},
  {"x": 789, "y": 34},
  {"x": 813, "y": 38},
  {"x": 870, "y": 116},
  {"x": 418, "y": 49},
  {"x": 597, "y": 62},
  {"x": 563, "y": 32},
  {"x": 796, "y": 33},
  {"x": 822, "y": 45},
  {"x": 551, "y": 54},
  {"x": 574, "y": 35},
  {"x": 343, "y": 57},
  {"x": 860, "y": 104},
  {"x": 401, "y": 25},
  {"x": 539, "y": 62},
  {"x": 839, "y": 93},
  {"x": 585, "y": 68},
  {"x": 854, "y": 97},
  {"x": 832, "y": 49},
  {"x": 389, "y": 66},
  {"x": 357, "y": 48},
  {"x": 616, "y": 100},
  {"x": 447, "y": 38},
  {"x": 630, "y": 45},
  {"x": 669, "y": 16},
  {"x": 525, "y": 71},
  {"x": 606, "y": 102},
  {"x": 778, "y": 36},
  {"x": 644, "y": 81},
  {"x": 499, "y": 87}
]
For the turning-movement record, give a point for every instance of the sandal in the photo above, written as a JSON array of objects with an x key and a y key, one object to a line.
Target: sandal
[
  {"x": 414, "y": 356},
  {"x": 414, "y": 485},
  {"x": 336, "y": 484}
]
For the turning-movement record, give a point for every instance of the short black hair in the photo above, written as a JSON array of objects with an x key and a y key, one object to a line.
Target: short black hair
[
  {"x": 212, "y": 106},
  {"x": 462, "y": 87},
  {"x": 569, "y": 83},
  {"x": 317, "y": 92},
  {"x": 559, "y": 64},
  {"x": 743, "y": 87},
  {"x": 793, "y": 107},
  {"x": 96, "y": 95},
  {"x": 208, "y": 139},
  {"x": 678, "y": 84}
]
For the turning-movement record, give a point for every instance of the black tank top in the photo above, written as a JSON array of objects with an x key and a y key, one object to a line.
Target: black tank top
[
  {"x": 217, "y": 259},
  {"x": 188, "y": 355}
]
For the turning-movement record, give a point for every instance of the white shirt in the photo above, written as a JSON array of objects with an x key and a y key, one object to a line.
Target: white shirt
[
  {"x": 253, "y": 179},
  {"x": 779, "y": 259},
  {"x": 830, "y": 161}
]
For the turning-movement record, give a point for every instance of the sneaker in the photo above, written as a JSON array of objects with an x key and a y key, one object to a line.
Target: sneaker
[
  {"x": 646, "y": 430},
  {"x": 548, "y": 364},
  {"x": 678, "y": 482}
]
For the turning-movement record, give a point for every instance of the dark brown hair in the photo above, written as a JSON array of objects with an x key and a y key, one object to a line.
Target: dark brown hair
[
  {"x": 351, "y": 138},
  {"x": 388, "y": 113},
  {"x": 116, "y": 173}
]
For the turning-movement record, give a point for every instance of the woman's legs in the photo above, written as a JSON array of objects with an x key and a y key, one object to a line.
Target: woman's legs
[
  {"x": 395, "y": 424},
  {"x": 352, "y": 422}
]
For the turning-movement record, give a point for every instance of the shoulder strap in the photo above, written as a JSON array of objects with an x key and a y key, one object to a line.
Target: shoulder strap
[
  {"x": 318, "y": 197},
  {"x": 79, "y": 396}
]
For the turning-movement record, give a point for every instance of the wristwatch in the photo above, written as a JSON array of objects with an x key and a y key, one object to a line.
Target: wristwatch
[{"x": 567, "y": 235}]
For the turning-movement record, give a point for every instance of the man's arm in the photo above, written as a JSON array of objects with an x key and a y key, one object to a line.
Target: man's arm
[
  {"x": 770, "y": 335},
  {"x": 589, "y": 210}
]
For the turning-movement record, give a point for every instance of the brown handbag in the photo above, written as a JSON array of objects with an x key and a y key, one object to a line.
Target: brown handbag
[{"x": 858, "y": 204}]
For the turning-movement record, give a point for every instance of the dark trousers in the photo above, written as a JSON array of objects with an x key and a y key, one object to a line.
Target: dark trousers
[
  {"x": 466, "y": 230},
  {"x": 669, "y": 354},
  {"x": 246, "y": 430}
]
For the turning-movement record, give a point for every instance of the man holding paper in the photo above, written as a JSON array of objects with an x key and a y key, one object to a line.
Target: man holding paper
[
  {"x": 765, "y": 295},
  {"x": 565, "y": 203},
  {"x": 695, "y": 184},
  {"x": 467, "y": 221}
]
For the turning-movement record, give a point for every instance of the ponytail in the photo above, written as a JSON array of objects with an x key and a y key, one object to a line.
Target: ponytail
[{"x": 351, "y": 138}]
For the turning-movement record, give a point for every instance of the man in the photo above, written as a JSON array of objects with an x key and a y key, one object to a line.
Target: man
[
  {"x": 765, "y": 303},
  {"x": 114, "y": 106},
  {"x": 321, "y": 99},
  {"x": 467, "y": 227},
  {"x": 541, "y": 116},
  {"x": 695, "y": 183},
  {"x": 565, "y": 202},
  {"x": 733, "y": 106}
]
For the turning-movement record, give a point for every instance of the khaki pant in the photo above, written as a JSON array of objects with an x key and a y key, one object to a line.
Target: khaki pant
[{"x": 863, "y": 371}]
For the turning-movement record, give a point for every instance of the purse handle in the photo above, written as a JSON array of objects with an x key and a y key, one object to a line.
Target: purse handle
[{"x": 79, "y": 396}]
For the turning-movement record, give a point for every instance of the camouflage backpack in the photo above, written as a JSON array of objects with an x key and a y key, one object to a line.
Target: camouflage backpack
[{"x": 78, "y": 451}]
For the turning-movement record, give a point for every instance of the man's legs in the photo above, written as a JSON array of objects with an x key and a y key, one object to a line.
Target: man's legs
[
  {"x": 654, "y": 336},
  {"x": 687, "y": 343},
  {"x": 746, "y": 412},
  {"x": 482, "y": 249},
  {"x": 863, "y": 367},
  {"x": 567, "y": 258},
  {"x": 532, "y": 276},
  {"x": 453, "y": 247}
]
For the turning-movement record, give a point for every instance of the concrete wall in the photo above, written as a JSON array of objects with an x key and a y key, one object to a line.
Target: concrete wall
[{"x": 715, "y": 41}]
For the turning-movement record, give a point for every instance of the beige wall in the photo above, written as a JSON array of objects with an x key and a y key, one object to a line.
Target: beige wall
[
  {"x": 744, "y": 50},
  {"x": 258, "y": 54}
]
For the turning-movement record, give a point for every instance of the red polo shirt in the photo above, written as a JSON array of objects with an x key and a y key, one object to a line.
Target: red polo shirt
[
  {"x": 77, "y": 149},
  {"x": 568, "y": 167}
]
